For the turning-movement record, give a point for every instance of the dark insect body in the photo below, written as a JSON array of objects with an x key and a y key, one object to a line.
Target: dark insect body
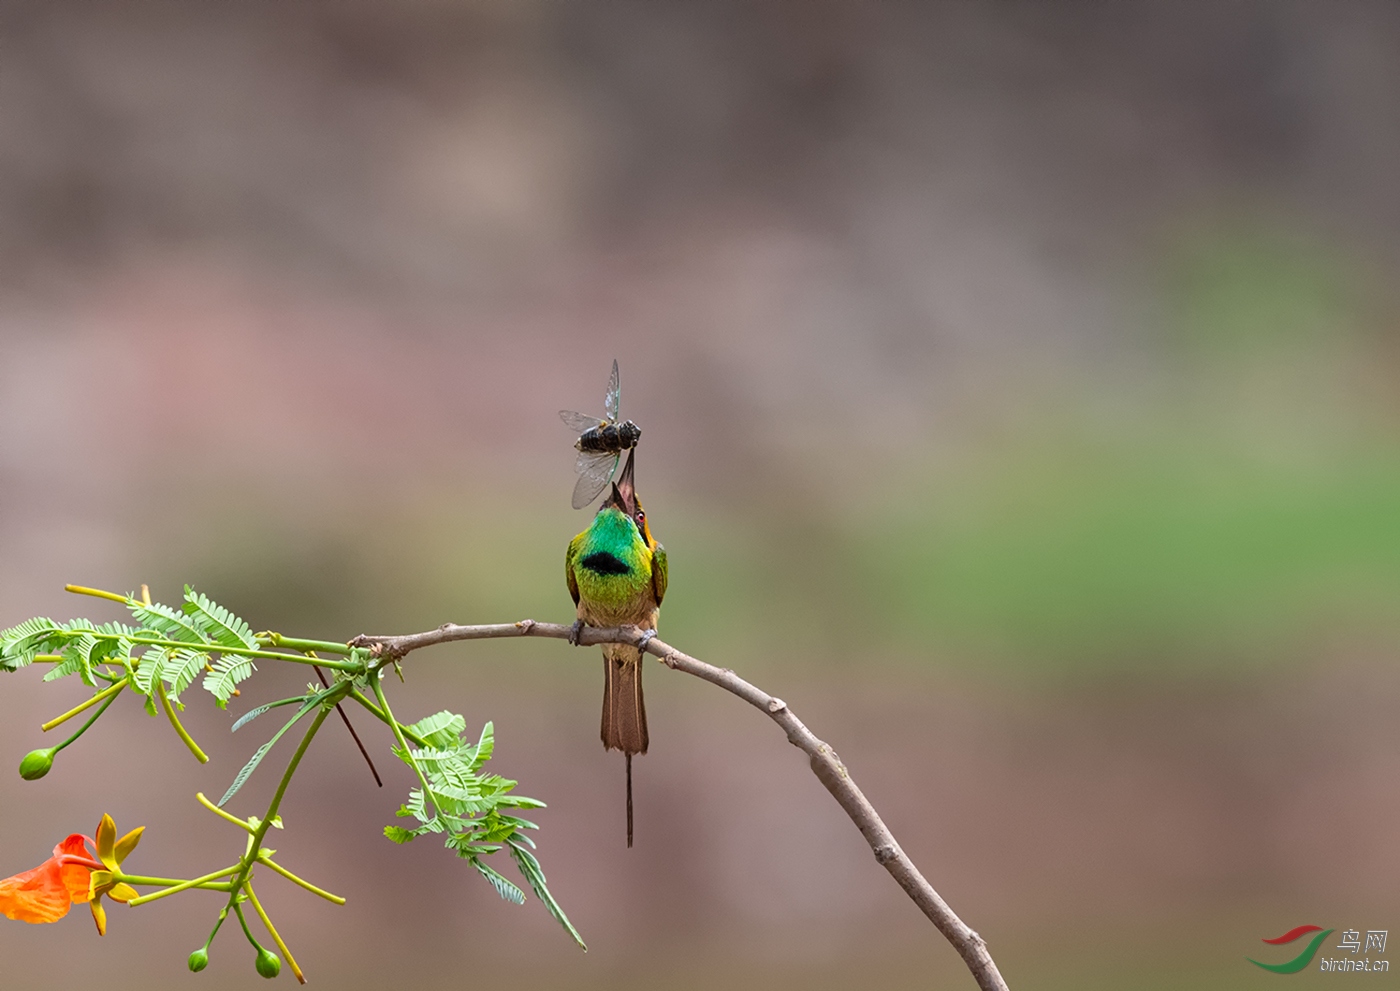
[
  {"x": 612, "y": 437},
  {"x": 600, "y": 443}
]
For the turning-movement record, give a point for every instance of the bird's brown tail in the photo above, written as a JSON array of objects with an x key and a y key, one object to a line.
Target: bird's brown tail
[{"x": 624, "y": 711}]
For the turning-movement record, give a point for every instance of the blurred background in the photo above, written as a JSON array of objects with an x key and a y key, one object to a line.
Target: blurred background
[{"x": 1018, "y": 385}]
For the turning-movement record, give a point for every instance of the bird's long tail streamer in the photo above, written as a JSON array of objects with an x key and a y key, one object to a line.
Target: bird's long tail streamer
[{"x": 629, "y": 801}]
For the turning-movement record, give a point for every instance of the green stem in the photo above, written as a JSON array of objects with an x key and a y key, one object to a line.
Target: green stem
[
  {"x": 199, "y": 755},
  {"x": 169, "y": 882},
  {"x": 296, "y": 643},
  {"x": 398, "y": 735},
  {"x": 379, "y": 714},
  {"x": 223, "y": 914},
  {"x": 238, "y": 910},
  {"x": 264, "y": 859},
  {"x": 186, "y": 885},
  {"x": 276, "y": 936},
  {"x": 220, "y": 812},
  {"x": 255, "y": 841},
  {"x": 110, "y": 699},
  {"x": 218, "y": 648},
  {"x": 105, "y": 693}
]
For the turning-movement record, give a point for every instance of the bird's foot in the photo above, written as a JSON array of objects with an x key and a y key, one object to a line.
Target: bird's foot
[
  {"x": 647, "y": 637},
  {"x": 575, "y": 632}
]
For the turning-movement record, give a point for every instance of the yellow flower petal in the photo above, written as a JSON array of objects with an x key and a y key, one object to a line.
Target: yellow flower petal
[
  {"x": 98, "y": 883},
  {"x": 106, "y": 841},
  {"x": 99, "y": 915},
  {"x": 122, "y": 893},
  {"x": 127, "y": 843}
]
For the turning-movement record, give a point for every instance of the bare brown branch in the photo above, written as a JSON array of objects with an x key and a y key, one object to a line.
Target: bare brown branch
[{"x": 825, "y": 764}]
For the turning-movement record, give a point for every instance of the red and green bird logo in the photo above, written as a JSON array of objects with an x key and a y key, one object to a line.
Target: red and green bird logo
[{"x": 1302, "y": 959}]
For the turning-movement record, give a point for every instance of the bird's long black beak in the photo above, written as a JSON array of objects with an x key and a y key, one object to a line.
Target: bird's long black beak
[{"x": 624, "y": 494}]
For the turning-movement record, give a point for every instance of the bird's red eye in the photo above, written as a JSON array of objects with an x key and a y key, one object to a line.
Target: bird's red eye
[{"x": 641, "y": 516}]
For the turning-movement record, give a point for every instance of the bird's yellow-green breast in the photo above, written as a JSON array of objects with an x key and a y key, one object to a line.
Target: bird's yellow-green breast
[{"x": 612, "y": 568}]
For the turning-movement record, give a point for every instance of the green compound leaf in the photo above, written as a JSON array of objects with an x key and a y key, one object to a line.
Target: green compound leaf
[
  {"x": 252, "y": 714},
  {"x": 530, "y": 867},
  {"x": 113, "y": 643},
  {"x": 168, "y": 623},
  {"x": 467, "y": 804},
  {"x": 228, "y": 671},
  {"x": 148, "y": 672},
  {"x": 257, "y": 757},
  {"x": 19, "y": 644},
  {"x": 16, "y": 636},
  {"x": 77, "y": 658},
  {"x": 521, "y": 802},
  {"x": 441, "y": 730},
  {"x": 181, "y": 666},
  {"x": 505, "y": 888},
  {"x": 111, "y": 629},
  {"x": 116, "y": 651},
  {"x": 416, "y": 805},
  {"x": 216, "y": 622},
  {"x": 485, "y": 746}
]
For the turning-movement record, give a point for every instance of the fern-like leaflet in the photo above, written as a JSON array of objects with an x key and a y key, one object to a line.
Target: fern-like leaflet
[
  {"x": 252, "y": 714},
  {"x": 227, "y": 672},
  {"x": 20, "y": 644},
  {"x": 261, "y": 752},
  {"x": 77, "y": 658},
  {"x": 148, "y": 671},
  {"x": 530, "y": 866},
  {"x": 510, "y": 892},
  {"x": 179, "y": 670},
  {"x": 167, "y": 623},
  {"x": 216, "y": 622},
  {"x": 442, "y": 729}
]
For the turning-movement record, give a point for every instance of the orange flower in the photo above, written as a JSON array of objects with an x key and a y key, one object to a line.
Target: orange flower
[{"x": 45, "y": 893}]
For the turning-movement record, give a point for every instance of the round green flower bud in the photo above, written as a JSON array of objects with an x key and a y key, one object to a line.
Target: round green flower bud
[
  {"x": 36, "y": 764},
  {"x": 269, "y": 963},
  {"x": 199, "y": 959}
]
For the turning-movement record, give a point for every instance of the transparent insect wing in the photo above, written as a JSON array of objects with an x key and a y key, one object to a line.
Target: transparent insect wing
[
  {"x": 614, "y": 397},
  {"x": 579, "y": 422},
  {"x": 595, "y": 469}
]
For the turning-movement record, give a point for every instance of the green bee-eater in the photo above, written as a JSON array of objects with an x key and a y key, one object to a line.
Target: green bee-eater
[{"x": 617, "y": 575}]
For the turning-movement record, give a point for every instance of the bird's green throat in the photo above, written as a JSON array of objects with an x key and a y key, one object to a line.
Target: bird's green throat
[{"x": 612, "y": 563}]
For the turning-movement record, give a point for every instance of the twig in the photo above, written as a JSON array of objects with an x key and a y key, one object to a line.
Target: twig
[
  {"x": 825, "y": 764},
  {"x": 353, "y": 735}
]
